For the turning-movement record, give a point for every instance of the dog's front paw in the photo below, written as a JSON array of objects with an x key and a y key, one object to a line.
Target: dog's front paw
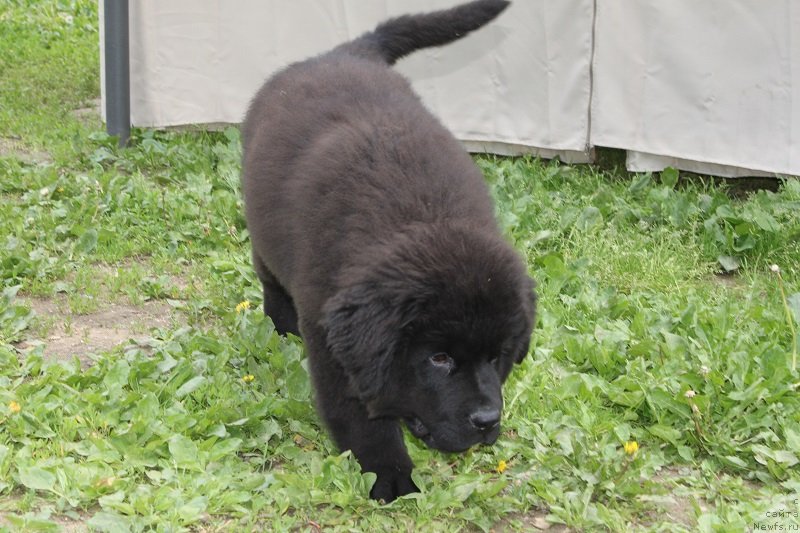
[{"x": 391, "y": 484}]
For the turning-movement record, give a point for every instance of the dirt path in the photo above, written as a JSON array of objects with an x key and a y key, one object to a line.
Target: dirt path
[{"x": 66, "y": 335}]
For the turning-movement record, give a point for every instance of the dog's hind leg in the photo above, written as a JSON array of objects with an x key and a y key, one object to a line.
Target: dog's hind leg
[{"x": 278, "y": 305}]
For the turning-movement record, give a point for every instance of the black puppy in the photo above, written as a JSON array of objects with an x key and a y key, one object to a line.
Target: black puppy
[{"x": 374, "y": 237}]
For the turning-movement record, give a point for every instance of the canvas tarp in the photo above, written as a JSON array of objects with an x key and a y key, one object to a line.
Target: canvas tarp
[
  {"x": 716, "y": 81},
  {"x": 676, "y": 83}
]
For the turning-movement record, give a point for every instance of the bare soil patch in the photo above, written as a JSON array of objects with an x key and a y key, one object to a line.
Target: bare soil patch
[
  {"x": 14, "y": 147},
  {"x": 532, "y": 521},
  {"x": 89, "y": 114},
  {"x": 729, "y": 280},
  {"x": 67, "y": 335},
  {"x": 678, "y": 503}
]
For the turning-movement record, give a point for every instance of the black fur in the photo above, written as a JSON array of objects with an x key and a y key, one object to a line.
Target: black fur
[
  {"x": 400, "y": 36},
  {"x": 374, "y": 236}
]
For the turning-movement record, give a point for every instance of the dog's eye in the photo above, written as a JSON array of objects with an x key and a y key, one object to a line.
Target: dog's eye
[{"x": 441, "y": 359}]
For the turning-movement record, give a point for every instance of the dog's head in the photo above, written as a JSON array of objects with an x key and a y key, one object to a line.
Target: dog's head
[{"x": 431, "y": 331}]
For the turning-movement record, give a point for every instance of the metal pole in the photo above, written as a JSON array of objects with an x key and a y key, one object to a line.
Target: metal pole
[{"x": 118, "y": 90}]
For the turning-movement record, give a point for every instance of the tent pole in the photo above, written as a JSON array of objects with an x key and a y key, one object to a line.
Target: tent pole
[{"x": 117, "y": 68}]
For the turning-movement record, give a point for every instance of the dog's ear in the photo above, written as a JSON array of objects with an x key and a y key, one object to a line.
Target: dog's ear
[
  {"x": 364, "y": 326},
  {"x": 522, "y": 349}
]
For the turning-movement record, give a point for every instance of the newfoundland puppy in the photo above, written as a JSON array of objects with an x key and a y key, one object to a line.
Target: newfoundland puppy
[{"x": 374, "y": 237}]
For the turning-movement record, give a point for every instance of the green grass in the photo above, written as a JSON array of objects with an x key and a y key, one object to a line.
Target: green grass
[{"x": 165, "y": 434}]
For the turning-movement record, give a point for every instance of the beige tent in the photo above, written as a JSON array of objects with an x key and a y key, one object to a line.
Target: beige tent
[{"x": 711, "y": 86}]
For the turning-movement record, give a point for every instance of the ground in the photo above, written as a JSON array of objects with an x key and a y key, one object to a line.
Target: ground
[
  {"x": 142, "y": 388},
  {"x": 76, "y": 335}
]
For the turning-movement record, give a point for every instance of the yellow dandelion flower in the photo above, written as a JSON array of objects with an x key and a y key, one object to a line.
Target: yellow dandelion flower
[
  {"x": 248, "y": 378},
  {"x": 14, "y": 407},
  {"x": 631, "y": 447},
  {"x": 242, "y": 306},
  {"x": 105, "y": 482},
  {"x": 501, "y": 467}
]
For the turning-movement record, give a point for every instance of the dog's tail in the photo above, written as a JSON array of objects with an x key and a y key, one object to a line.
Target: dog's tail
[{"x": 400, "y": 36}]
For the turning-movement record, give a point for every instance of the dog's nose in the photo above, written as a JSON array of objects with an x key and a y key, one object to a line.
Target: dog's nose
[{"x": 485, "y": 418}]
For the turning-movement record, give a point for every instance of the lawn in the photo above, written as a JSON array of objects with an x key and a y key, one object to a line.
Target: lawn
[{"x": 142, "y": 388}]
